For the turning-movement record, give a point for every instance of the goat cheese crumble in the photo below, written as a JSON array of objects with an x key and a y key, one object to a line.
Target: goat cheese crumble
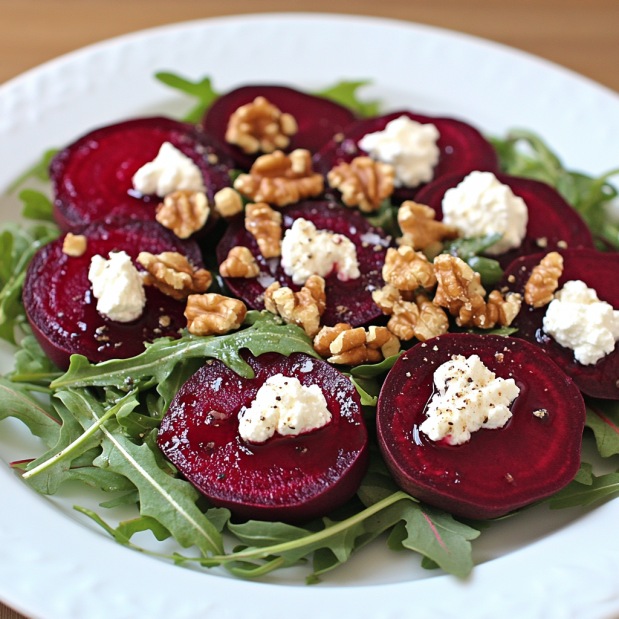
[
  {"x": 408, "y": 146},
  {"x": 482, "y": 205},
  {"x": 169, "y": 171},
  {"x": 469, "y": 397},
  {"x": 577, "y": 319},
  {"x": 285, "y": 406},
  {"x": 117, "y": 285}
]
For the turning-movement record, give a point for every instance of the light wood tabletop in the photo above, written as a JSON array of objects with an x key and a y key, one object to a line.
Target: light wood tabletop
[{"x": 582, "y": 35}]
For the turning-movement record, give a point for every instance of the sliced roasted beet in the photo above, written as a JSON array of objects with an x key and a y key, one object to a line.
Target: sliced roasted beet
[
  {"x": 496, "y": 471},
  {"x": 552, "y": 221},
  {"x": 318, "y": 119},
  {"x": 349, "y": 301},
  {"x": 286, "y": 478},
  {"x": 62, "y": 309},
  {"x": 92, "y": 176},
  {"x": 462, "y": 148},
  {"x": 599, "y": 271}
]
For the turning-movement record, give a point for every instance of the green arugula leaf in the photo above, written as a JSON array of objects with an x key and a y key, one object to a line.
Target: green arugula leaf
[
  {"x": 372, "y": 370},
  {"x": 504, "y": 331},
  {"x": 582, "y": 494},
  {"x": 36, "y": 205},
  {"x": 345, "y": 93},
  {"x": 127, "y": 529},
  {"x": 386, "y": 218},
  {"x": 367, "y": 388},
  {"x": 585, "y": 474},
  {"x": 468, "y": 248},
  {"x": 603, "y": 419},
  {"x": 490, "y": 270},
  {"x": 131, "y": 498},
  {"x": 202, "y": 90},
  {"x": 39, "y": 171},
  {"x": 32, "y": 365},
  {"x": 103, "y": 480}
]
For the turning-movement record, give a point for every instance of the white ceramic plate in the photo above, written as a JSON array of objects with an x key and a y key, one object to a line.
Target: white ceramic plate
[{"x": 55, "y": 566}]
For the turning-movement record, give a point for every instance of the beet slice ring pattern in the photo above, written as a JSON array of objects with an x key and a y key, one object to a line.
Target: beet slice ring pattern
[
  {"x": 286, "y": 478},
  {"x": 349, "y": 301},
  {"x": 92, "y": 176},
  {"x": 462, "y": 148},
  {"x": 599, "y": 271},
  {"x": 62, "y": 309},
  {"x": 552, "y": 221},
  {"x": 318, "y": 119},
  {"x": 497, "y": 471}
]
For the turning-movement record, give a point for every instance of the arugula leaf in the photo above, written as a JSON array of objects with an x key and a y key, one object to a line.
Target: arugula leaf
[
  {"x": 603, "y": 419},
  {"x": 32, "y": 365},
  {"x": 583, "y": 494},
  {"x": 367, "y": 388},
  {"x": 386, "y": 218},
  {"x": 131, "y": 498},
  {"x": 202, "y": 90},
  {"x": 36, "y": 205},
  {"x": 371, "y": 370},
  {"x": 504, "y": 331},
  {"x": 467, "y": 248},
  {"x": 345, "y": 93},
  {"x": 39, "y": 171}
]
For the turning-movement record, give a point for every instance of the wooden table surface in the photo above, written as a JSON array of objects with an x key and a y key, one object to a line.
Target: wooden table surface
[{"x": 582, "y": 35}]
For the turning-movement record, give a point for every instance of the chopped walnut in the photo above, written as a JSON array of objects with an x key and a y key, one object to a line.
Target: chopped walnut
[
  {"x": 210, "y": 314},
  {"x": 419, "y": 228},
  {"x": 74, "y": 245},
  {"x": 303, "y": 308},
  {"x": 544, "y": 280},
  {"x": 325, "y": 337},
  {"x": 386, "y": 298},
  {"x": 172, "y": 273},
  {"x": 265, "y": 225},
  {"x": 406, "y": 269},
  {"x": 184, "y": 212},
  {"x": 432, "y": 319},
  {"x": 363, "y": 182},
  {"x": 239, "y": 263},
  {"x": 381, "y": 338},
  {"x": 281, "y": 179},
  {"x": 228, "y": 202},
  {"x": 508, "y": 307},
  {"x": 260, "y": 126}
]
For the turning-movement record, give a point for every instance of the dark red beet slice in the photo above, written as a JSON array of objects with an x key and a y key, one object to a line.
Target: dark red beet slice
[
  {"x": 349, "y": 301},
  {"x": 599, "y": 271},
  {"x": 92, "y": 176},
  {"x": 497, "y": 471},
  {"x": 551, "y": 219},
  {"x": 62, "y": 309},
  {"x": 286, "y": 478},
  {"x": 462, "y": 148},
  {"x": 318, "y": 119}
]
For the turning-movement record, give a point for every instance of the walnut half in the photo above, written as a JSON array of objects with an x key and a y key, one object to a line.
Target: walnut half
[
  {"x": 265, "y": 225},
  {"x": 544, "y": 280},
  {"x": 213, "y": 314},
  {"x": 239, "y": 263},
  {"x": 184, "y": 212},
  {"x": 419, "y": 228},
  {"x": 406, "y": 269}
]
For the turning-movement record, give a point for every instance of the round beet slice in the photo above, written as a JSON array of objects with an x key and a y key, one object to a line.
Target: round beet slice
[
  {"x": 463, "y": 149},
  {"x": 552, "y": 221},
  {"x": 286, "y": 478},
  {"x": 318, "y": 119},
  {"x": 599, "y": 271},
  {"x": 92, "y": 176},
  {"x": 349, "y": 301},
  {"x": 496, "y": 471},
  {"x": 62, "y": 309}
]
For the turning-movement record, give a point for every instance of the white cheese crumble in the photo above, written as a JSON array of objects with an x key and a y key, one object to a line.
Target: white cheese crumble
[
  {"x": 307, "y": 251},
  {"x": 285, "y": 406},
  {"x": 469, "y": 397},
  {"x": 482, "y": 205},
  {"x": 169, "y": 171},
  {"x": 408, "y": 146},
  {"x": 577, "y": 319},
  {"x": 117, "y": 285}
]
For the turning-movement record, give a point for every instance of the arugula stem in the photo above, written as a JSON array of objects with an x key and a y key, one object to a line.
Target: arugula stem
[{"x": 32, "y": 378}]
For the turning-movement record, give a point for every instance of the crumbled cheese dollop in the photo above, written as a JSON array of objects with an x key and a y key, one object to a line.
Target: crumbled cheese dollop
[
  {"x": 285, "y": 406},
  {"x": 577, "y": 319},
  {"x": 307, "y": 251},
  {"x": 469, "y": 397},
  {"x": 117, "y": 285},
  {"x": 169, "y": 171},
  {"x": 408, "y": 146},
  {"x": 482, "y": 205}
]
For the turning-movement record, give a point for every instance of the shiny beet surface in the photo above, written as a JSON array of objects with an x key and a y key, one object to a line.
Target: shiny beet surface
[
  {"x": 497, "y": 471},
  {"x": 62, "y": 309},
  {"x": 318, "y": 119},
  {"x": 551, "y": 219},
  {"x": 599, "y": 271},
  {"x": 286, "y": 478},
  {"x": 462, "y": 148},
  {"x": 92, "y": 176}
]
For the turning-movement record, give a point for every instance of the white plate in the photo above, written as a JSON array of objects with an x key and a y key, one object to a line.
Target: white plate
[{"x": 549, "y": 565}]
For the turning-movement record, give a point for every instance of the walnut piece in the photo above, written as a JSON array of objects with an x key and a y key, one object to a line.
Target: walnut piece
[
  {"x": 281, "y": 179},
  {"x": 544, "y": 280},
  {"x": 228, "y": 202},
  {"x": 74, "y": 245},
  {"x": 419, "y": 228},
  {"x": 239, "y": 263},
  {"x": 380, "y": 338},
  {"x": 303, "y": 308},
  {"x": 363, "y": 182},
  {"x": 265, "y": 225},
  {"x": 260, "y": 126},
  {"x": 406, "y": 269},
  {"x": 172, "y": 273},
  {"x": 325, "y": 337},
  {"x": 184, "y": 212},
  {"x": 213, "y": 314}
]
